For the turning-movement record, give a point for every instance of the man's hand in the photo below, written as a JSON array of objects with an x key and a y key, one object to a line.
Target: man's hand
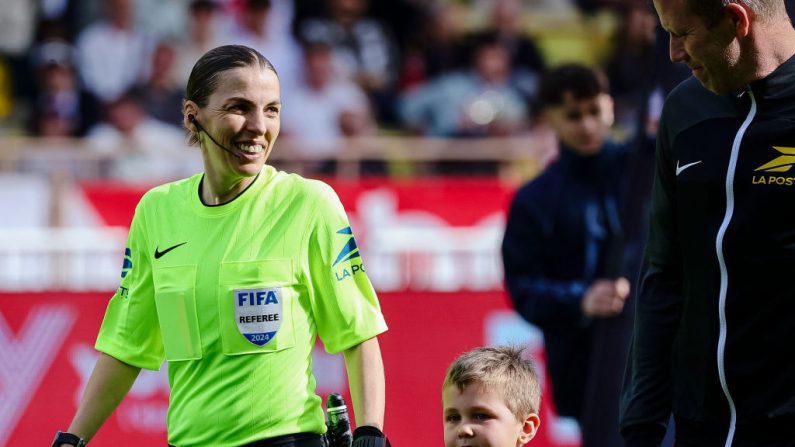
[{"x": 605, "y": 298}]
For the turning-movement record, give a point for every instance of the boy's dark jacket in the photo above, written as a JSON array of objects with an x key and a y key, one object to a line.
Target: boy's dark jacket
[{"x": 561, "y": 231}]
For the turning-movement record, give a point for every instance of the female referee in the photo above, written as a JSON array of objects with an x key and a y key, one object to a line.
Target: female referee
[{"x": 229, "y": 276}]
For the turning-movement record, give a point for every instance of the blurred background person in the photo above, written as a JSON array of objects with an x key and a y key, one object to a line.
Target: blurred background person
[
  {"x": 364, "y": 50},
  {"x": 139, "y": 148},
  {"x": 205, "y": 24},
  {"x": 437, "y": 48},
  {"x": 631, "y": 63},
  {"x": 160, "y": 94},
  {"x": 527, "y": 63},
  {"x": 560, "y": 249},
  {"x": 112, "y": 53},
  {"x": 61, "y": 106},
  {"x": 325, "y": 108},
  {"x": 250, "y": 28},
  {"x": 17, "y": 33},
  {"x": 478, "y": 102},
  {"x": 161, "y": 20}
]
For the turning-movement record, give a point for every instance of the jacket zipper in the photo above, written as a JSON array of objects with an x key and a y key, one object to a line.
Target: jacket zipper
[{"x": 724, "y": 274}]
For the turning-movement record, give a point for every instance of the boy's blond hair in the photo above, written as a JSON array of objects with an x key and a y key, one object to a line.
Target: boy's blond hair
[{"x": 500, "y": 368}]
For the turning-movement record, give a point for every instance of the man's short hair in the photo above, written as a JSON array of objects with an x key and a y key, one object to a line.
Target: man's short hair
[
  {"x": 581, "y": 81},
  {"x": 712, "y": 10},
  {"x": 503, "y": 369}
]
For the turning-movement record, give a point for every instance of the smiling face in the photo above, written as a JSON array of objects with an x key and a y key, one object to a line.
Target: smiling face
[
  {"x": 713, "y": 54},
  {"x": 479, "y": 417},
  {"x": 243, "y": 115}
]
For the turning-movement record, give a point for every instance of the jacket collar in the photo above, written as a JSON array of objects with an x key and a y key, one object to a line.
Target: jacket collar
[{"x": 778, "y": 84}]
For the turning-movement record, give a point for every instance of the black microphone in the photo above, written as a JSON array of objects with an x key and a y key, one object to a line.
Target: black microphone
[{"x": 195, "y": 122}]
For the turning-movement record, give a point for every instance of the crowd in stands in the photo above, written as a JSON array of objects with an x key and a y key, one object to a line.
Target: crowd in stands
[{"x": 114, "y": 71}]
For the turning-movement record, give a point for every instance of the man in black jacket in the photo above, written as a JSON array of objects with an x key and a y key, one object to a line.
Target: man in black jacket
[
  {"x": 562, "y": 245},
  {"x": 715, "y": 313}
]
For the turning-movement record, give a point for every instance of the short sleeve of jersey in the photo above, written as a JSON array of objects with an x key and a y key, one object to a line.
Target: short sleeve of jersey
[
  {"x": 130, "y": 330},
  {"x": 344, "y": 302}
]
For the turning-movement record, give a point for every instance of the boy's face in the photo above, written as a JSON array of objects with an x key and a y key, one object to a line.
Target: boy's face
[
  {"x": 478, "y": 417},
  {"x": 582, "y": 124}
]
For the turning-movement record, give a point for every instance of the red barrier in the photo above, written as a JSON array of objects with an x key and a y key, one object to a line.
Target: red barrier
[
  {"x": 457, "y": 201},
  {"x": 50, "y": 336}
]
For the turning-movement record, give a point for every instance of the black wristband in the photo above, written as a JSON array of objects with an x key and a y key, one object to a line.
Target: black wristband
[
  {"x": 369, "y": 436},
  {"x": 67, "y": 438}
]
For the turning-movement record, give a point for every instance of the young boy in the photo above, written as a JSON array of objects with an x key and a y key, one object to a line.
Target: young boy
[{"x": 491, "y": 397}]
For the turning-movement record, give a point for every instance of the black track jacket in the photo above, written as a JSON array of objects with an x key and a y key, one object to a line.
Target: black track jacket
[{"x": 714, "y": 337}]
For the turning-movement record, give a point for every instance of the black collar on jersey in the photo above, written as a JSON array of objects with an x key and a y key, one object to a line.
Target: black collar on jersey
[{"x": 225, "y": 203}]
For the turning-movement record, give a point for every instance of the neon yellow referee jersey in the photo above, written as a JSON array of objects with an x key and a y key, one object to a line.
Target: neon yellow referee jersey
[{"x": 233, "y": 296}]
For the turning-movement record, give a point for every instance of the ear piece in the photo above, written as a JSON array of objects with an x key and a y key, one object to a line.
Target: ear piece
[{"x": 191, "y": 117}]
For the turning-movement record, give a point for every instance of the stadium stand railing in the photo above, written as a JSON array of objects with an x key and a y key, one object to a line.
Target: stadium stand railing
[{"x": 51, "y": 239}]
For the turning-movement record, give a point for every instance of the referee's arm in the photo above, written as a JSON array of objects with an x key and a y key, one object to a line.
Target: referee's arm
[
  {"x": 366, "y": 381},
  {"x": 110, "y": 381}
]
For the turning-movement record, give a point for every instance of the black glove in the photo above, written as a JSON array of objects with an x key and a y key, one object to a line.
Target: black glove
[{"x": 369, "y": 436}]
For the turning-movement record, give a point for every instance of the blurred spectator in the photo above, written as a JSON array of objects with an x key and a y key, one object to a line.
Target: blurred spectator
[
  {"x": 631, "y": 63},
  {"x": 126, "y": 123},
  {"x": 280, "y": 15},
  {"x": 324, "y": 108},
  {"x": 161, "y": 20},
  {"x": 505, "y": 24},
  {"x": 111, "y": 53},
  {"x": 363, "y": 49},
  {"x": 17, "y": 30},
  {"x": 142, "y": 148},
  {"x": 405, "y": 18},
  {"x": 161, "y": 94},
  {"x": 562, "y": 248},
  {"x": 478, "y": 102},
  {"x": 59, "y": 20},
  {"x": 437, "y": 48},
  {"x": 251, "y": 29},
  {"x": 61, "y": 107},
  {"x": 526, "y": 61},
  {"x": 204, "y": 32}
]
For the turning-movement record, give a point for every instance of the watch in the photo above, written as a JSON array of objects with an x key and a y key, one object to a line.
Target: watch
[{"x": 68, "y": 438}]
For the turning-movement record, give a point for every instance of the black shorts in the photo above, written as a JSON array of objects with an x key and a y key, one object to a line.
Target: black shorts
[{"x": 297, "y": 440}]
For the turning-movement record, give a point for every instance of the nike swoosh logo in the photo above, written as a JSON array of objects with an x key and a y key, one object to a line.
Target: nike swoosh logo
[
  {"x": 159, "y": 254},
  {"x": 679, "y": 169}
]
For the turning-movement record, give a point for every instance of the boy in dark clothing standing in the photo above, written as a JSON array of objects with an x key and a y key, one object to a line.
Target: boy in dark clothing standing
[{"x": 562, "y": 244}]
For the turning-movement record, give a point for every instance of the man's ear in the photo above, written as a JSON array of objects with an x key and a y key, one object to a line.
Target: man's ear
[
  {"x": 529, "y": 429},
  {"x": 740, "y": 16}
]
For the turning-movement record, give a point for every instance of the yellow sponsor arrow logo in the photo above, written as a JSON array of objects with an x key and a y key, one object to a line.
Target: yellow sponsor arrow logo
[{"x": 781, "y": 164}]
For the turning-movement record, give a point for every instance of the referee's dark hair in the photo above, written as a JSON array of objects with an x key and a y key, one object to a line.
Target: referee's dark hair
[
  {"x": 207, "y": 71},
  {"x": 581, "y": 81}
]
